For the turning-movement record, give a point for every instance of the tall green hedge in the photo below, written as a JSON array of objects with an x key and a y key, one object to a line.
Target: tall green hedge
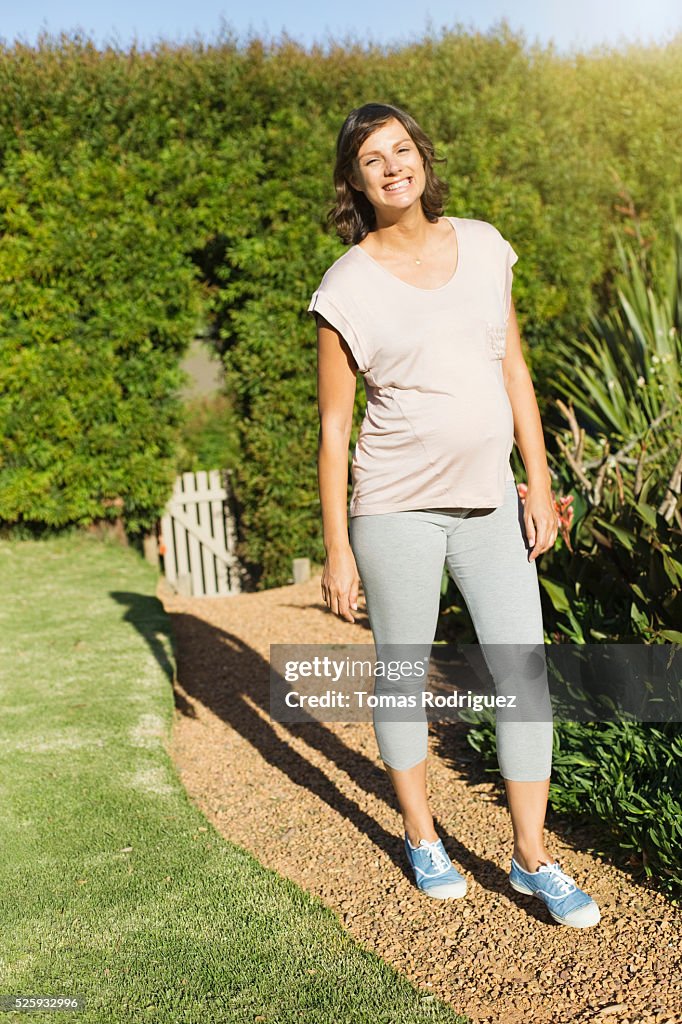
[
  {"x": 144, "y": 193},
  {"x": 98, "y": 302}
]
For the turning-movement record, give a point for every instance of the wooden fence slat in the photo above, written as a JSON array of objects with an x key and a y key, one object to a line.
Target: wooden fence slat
[
  {"x": 218, "y": 521},
  {"x": 204, "y": 517},
  {"x": 195, "y": 566},
  {"x": 180, "y": 541}
]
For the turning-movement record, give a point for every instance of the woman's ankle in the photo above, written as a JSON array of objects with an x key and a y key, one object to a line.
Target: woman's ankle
[
  {"x": 530, "y": 860},
  {"x": 424, "y": 831}
]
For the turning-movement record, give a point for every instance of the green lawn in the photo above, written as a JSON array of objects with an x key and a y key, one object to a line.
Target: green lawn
[{"x": 113, "y": 886}]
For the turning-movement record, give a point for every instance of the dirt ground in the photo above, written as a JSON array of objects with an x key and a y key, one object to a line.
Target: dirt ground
[{"x": 313, "y": 802}]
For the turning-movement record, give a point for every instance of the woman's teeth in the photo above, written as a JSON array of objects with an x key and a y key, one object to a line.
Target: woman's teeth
[{"x": 397, "y": 185}]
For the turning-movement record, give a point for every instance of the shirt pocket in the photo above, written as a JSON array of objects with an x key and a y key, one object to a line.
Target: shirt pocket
[{"x": 496, "y": 339}]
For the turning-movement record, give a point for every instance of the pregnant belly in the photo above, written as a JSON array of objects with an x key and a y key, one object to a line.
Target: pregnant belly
[
  {"x": 443, "y": 424},
  {"x": 442, "y": 440}
]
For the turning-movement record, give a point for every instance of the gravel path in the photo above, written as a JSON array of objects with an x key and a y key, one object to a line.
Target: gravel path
[{"x": 313, "y": 802}]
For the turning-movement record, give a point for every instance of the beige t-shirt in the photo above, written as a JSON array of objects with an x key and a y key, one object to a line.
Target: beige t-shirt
[{"x": 438, "y": 428}]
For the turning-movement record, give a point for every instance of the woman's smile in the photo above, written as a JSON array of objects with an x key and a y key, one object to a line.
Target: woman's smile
[{"x": 398, "y": 186}]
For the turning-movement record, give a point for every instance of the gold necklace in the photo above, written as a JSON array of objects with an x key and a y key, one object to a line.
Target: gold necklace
[{"x": 397, "y": 253}]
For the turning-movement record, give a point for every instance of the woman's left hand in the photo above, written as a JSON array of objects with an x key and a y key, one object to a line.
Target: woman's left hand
[{"x": 540, "y": 519}]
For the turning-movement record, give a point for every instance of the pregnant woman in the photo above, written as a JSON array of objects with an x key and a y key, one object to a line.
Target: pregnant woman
[{"x": 420, "y": 304}]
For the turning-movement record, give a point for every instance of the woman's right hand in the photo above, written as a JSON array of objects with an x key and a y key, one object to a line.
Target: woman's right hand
[{"x": 340, "y": 582}]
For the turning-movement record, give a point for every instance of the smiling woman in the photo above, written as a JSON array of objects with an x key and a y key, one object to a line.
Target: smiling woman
[{"x": 421, "y": 305}]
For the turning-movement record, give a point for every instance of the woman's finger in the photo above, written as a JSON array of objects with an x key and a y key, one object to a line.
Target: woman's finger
[
  {"x": 530, "y": 529},
  {"x": 547, "y": 534}
]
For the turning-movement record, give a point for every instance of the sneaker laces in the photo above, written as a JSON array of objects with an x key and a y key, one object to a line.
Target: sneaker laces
[
  {"x": 438, "y": 858},
  {"x": 565, "y": 882}
]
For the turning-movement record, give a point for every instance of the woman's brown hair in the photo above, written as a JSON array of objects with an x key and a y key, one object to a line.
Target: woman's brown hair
[{"x": 353, "y": 214}]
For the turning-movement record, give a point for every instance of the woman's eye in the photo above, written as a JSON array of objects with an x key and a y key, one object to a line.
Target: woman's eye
[{"x": 403, "y": 149}]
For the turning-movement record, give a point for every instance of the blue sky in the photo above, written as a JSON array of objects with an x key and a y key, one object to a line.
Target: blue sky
[{"x": 572, "y": 24}]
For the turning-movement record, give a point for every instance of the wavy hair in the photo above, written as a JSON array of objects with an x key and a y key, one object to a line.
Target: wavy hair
[{"x": 352, "y": 214}]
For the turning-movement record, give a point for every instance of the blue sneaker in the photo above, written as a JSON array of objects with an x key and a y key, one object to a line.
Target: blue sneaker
[
  {"x": 565, "y": 901},
  {"x": 433, "y": 870}
]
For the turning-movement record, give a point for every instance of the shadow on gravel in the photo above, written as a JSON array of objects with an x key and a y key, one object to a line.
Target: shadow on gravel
[{"x": 232, "y": 680}]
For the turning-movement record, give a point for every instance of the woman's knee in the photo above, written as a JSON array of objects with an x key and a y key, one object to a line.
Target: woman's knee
[
  {"x": 405, "y": 764},
  {"x": 402, "y": 745},
  {"x": 524, "y": 750}
]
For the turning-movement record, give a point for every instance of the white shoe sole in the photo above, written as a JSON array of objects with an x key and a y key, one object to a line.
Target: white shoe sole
[
  {"x": 583, "y": 917},
  {"x": 453, "y": 891}
]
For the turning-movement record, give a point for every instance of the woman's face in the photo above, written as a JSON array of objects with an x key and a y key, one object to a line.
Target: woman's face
[{"x": 389, "y": 168}]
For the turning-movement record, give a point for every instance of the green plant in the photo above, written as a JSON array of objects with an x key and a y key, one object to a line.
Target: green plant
[
  {"x": 98, "y": 304},
  {"x": 620, "y": 576},
  {"x": 626, "y": 373}
]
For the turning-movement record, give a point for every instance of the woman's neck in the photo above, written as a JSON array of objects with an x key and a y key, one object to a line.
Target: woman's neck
[{"x": 408, "y": 234}]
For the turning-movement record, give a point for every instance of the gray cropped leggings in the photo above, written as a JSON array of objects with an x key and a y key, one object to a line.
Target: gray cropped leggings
[{"x": 400, "y": 558}]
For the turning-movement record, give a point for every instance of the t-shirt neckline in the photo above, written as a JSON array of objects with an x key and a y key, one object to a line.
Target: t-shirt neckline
[{"x": 414, "y": 287}]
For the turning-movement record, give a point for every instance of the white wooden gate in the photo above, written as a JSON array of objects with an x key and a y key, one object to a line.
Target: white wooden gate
[{"x": 198, "y": 536}]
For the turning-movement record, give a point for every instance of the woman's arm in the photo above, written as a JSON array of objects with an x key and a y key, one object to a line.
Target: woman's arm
[
  {"x": 336, "y": 383},
  {"x": 540, "y": 515}
]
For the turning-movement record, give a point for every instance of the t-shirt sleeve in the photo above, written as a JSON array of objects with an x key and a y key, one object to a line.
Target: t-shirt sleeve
[
  {"x": 510, "y": 259},
  {"x": 321, "y": 303}
]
